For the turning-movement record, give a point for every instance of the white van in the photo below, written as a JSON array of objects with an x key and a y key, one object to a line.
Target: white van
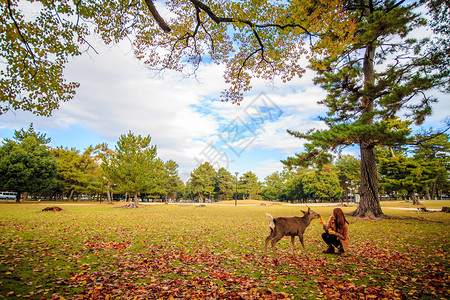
[{"x": 8, "y": 195}]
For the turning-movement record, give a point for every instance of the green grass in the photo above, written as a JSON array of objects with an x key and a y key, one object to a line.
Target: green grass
[
  {"x": 430, "y": 204},
  {"x": 180, "y": 251}
]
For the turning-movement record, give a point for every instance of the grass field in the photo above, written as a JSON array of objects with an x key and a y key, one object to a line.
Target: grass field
[{"x": 99, "y": 251}]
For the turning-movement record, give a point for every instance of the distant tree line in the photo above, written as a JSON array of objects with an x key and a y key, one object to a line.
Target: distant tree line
[
  {"x": 133, "y": 171},
  {"x": 30, "y": 167}
]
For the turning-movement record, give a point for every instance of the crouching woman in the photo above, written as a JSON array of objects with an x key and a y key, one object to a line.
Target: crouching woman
[{"x": 336, "y": 233}]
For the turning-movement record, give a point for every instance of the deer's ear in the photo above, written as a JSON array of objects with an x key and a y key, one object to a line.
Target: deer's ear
[{"x": 304, "y": 212}]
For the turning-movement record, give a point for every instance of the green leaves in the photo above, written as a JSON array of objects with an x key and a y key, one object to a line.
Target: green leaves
[
  {"x": 133, "y": 165},
  {"x": 264, "y": 39},
  {"x": 202, "y": 181},
  {"x": 27, "y": 165},
  {"x": 312, "y": 184},
  {"x": 34, "y": 50}
]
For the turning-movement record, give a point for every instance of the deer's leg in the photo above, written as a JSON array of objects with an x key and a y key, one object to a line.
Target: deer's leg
[
  {"x": 268, "y": 239},
  {"x": 274, "y": 241},
  {"x": 300, "y": 237},
  {"x": 293, "y": 243}
]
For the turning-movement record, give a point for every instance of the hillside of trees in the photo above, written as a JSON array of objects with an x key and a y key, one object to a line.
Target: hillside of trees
[{"x": 133, "y": 171}]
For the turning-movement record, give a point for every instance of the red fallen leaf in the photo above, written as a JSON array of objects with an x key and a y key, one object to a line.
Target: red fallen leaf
[{"x": 98, "y": 246}]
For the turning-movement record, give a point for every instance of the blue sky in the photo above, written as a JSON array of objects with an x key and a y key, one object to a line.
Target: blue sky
[{"x": 184, "y": 116}]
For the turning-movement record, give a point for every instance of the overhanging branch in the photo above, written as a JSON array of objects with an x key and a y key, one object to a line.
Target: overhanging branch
[{"x": 157, "y": 16}]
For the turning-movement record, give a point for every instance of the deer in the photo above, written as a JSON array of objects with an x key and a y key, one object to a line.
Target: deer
[{"x": 288, "y": 226}]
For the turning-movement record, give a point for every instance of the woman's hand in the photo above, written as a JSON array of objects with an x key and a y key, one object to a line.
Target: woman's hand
[
  {"x": 322, "y": 221},
  {"x": 340, "y": 236}
]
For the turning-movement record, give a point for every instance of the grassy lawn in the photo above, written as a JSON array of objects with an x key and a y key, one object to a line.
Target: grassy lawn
[
  {"x": 433, "y": 204},
  {"x": 98, "y": 251}
]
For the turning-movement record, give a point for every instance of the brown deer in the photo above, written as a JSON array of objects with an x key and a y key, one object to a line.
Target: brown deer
[{"x": 292, "y": 226}]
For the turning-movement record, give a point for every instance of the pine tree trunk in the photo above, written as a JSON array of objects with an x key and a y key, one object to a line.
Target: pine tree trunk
[
  {"x": 414, "y": 199},
  {"x": 133, "y": 203},
  {"x": 369, "y": 204},
  {"x": 433, "y": 191},
  {"x": 70, "y": 195},
  {"x": 108, "y": 194},
  {"x": 136, "y": 201},
  {"x": 344, "y": 183}
]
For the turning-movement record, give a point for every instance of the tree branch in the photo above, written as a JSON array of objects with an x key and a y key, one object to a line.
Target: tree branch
[
  {"x": 24, "y": 41},
  {"x": 209, "y": 12},
  {"x": 157, "y": 16}
]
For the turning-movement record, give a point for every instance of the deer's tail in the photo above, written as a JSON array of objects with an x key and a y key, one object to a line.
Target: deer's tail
[{"x": 271, "y": 222}]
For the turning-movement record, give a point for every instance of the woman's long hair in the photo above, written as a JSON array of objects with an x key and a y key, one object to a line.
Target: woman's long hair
[{"x": 339, "y": 219}]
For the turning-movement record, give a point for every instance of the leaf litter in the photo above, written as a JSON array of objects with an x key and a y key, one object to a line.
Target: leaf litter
[{"x": 73, "y": 258}]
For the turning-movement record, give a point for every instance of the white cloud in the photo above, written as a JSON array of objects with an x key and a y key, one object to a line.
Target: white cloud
[
  {"x": 275, "y": 135},
  {"x": 268, "y": 167},
  {"x": 182, "y": 116}
]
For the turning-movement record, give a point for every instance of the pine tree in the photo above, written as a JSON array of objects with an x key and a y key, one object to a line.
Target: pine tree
[
  {"x": 224, "y": 184},
  {"x": 434, "y": 150},
  {"x": 132, "y": 166},
  {"x": 202, "y": 181},
  {"x": 380, "y": 76},
  {"x": 26, "y": 164}
]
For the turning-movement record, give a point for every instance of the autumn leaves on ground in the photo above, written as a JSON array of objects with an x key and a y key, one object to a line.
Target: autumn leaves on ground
[{"x": 214, "y": 252}]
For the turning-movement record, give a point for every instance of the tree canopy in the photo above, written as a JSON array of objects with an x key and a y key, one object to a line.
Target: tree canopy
[
  {"x": 260, "y": 38},
  {"x": 380, "y": 77},
  {"x": 132, "y": 166},
  {"x": 202, "y": 181},
  {"x": 27, "y": 165}
]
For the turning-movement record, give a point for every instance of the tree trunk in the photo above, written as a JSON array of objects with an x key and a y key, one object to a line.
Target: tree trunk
[
  {"x": 136, "y": 201},
  {"x": 433, "y": 191},
  {"x": 18, "y": 199},
  {"x": 369, "y": 204},
  {"x": 133, "y": 203},
  {"x": 344, "y": 183},
  {"x": 414, "y": 199},
  {"x": 427, "y": 190},
  {"x": 70, "y": 195},
  {"x": 108, "y": 194}
]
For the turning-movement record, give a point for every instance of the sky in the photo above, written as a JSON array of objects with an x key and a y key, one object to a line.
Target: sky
[{"x": 185, "y": 117}]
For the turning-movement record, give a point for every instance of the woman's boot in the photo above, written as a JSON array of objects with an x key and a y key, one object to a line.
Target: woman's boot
[{"x": 330, "y": 250}]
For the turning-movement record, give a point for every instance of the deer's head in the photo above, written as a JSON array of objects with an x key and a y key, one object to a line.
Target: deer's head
[{"x": 310, "y": 213}]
